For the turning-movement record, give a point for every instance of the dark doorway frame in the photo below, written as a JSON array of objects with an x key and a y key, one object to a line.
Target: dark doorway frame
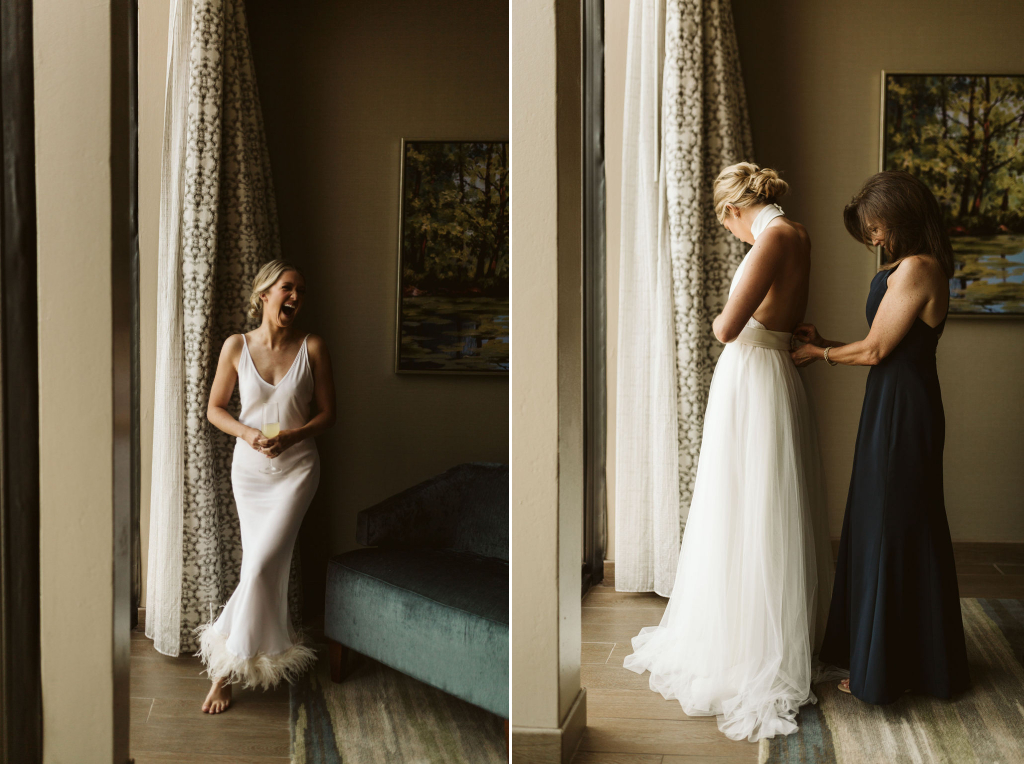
[
  {"x": 133, "y": 286},
  {"x": 124, "y": 293},
  {"x": 21, "y": 709},
  {"x": 595, "y": 430}
]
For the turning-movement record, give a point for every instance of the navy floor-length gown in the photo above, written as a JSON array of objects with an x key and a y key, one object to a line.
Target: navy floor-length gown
[{"x": 895, "y": 614}]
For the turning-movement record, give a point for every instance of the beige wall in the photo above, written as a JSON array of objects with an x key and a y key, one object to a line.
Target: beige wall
[
  {"x": 341, "y": 84},
  {"x": 812, "y": 74},
  {"x": 153, "y": 22},
  {"x": 83, "y": 556},
  {"x": 545, "y": 407}
]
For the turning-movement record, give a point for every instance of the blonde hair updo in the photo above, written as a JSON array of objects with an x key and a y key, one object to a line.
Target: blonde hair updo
[
  {"x": 744, "y": 185},
  {"x": 266, "y": 278}
]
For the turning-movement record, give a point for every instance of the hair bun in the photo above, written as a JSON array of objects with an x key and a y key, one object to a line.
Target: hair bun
[
  {"x": 766, "y": 185},
  {"x": 745, "y": 184}
]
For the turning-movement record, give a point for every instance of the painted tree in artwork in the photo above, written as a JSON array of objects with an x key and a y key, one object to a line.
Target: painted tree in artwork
[
  {"x": 455, "y": 232},
  {"x": 964, "y": 137}
]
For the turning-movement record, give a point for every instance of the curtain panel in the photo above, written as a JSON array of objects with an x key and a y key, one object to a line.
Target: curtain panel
[
  {"x": 218, "y": 225},
  {"x": 685, "y": 119}
]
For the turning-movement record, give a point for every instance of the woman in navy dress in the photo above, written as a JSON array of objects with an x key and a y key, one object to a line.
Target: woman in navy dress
[{"x": 895, "y": 615}]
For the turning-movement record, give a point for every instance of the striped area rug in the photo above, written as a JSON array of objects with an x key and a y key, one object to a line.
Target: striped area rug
[
  {"x": 985, "y": 724},
  {"x": 379, "y": 716}
]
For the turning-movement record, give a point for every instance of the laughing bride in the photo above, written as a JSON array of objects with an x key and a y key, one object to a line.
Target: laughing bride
[
  {"x": 752, "y": 586},
  {"x": 282, "y": 374}
]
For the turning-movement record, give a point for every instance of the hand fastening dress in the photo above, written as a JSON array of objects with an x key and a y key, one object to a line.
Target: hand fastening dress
[
  {"x": 755, "y": 571},
  {"x": 253, "y": 642}
]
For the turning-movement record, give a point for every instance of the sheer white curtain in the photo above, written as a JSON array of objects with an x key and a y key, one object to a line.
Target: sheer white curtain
[
  {"x": 218, "y": 224},
  {"x": 685, "y": 119},
  {"x": 647, "y": 473}
]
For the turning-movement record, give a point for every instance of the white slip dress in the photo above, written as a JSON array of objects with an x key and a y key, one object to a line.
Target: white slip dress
[
  {"x": 754, "y": 578},
  {"x": 253, "y": 642}
]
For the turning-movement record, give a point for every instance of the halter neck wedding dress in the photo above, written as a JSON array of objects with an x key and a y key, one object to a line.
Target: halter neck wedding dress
[
  {"x": 253, "y": 642},
  {"x": 754, "y": 577}
]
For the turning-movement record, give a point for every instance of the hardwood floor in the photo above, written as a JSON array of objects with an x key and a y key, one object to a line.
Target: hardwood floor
[
  {"x": 168, "y": 727},
  {"x": 629, "y": 724},
  {"x": 626, "y": 722}
]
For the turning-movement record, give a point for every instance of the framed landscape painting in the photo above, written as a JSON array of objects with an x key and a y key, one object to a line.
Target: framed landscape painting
[
  {"x": 963, "y": 135},
  {"x": 453, "y": 258}
]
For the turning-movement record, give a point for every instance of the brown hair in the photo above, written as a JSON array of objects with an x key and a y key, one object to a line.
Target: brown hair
[
  {"x": 266, "y": 278},
  {"x": 744, "y": 185},
  {"x": 909, "y": 214}
]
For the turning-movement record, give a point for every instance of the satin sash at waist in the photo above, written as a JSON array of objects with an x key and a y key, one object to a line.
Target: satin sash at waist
[{"x": 764, "y": 338}]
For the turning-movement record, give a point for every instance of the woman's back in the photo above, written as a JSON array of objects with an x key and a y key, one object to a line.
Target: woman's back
[
  {"x": 784, "y": 305},
  {"x": 771, "y": 284}
]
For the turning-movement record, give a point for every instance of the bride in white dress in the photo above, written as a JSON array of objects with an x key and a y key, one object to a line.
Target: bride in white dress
[
  {"x": 253, "y": 642},
  {"x": 754, "y": 578}
]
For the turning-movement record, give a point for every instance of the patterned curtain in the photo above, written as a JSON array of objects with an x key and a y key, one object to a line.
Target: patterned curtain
[
  {"x": 685, "y": 119},
  {"x": 218, "y": 225}
]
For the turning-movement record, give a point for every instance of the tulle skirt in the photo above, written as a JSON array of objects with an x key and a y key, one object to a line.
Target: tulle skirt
[{"x": 751, "y": 594}]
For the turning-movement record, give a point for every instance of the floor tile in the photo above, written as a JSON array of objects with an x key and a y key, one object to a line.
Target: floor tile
[
  {"x": 607, "y": 597},
  {"x": 622, "y": 649},
  {"x": 596, "y": 652},
  {"x": 155, "y": 757},
  {"x": 608, "y": 677},
  {"x": 994, "y": 585},
  {"x": 968, "y": 552},
  {"x": 635, "y": 704},
  {"x": 654, "y": 736},
  {"x": 593, "y": 757},
  {"x": 622, "y": 614},
  {"x": 619, "y": 633},
  {"x": 739, "y": 758},
  {"x": 977, "y": 568},
  {"x": 139, "y": 709},
  {"x": 211, "y": 734}
]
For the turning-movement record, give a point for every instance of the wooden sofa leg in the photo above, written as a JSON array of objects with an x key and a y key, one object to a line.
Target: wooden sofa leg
[{"x": 338, "y": 656}]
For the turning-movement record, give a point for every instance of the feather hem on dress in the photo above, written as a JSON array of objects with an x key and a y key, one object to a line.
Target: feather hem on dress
[{"x": 260, "y": 670}]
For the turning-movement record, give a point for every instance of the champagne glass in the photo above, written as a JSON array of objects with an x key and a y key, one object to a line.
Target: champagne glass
[{"x": 271, "y": 429}]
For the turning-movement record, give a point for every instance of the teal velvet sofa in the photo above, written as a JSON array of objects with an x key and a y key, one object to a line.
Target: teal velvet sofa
[{"x": 430, "y": 597}]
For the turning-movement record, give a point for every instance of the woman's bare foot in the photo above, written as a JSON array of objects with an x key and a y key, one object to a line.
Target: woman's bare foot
[
  {"x": 844, "y": 686},
  {"x": 219, "y": 698}
]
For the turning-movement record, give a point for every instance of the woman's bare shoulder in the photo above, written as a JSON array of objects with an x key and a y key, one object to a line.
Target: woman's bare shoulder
[
  {"x": 797, "y": 233},
  {"x": 919, "y": 272},
  {"x": 915, "y": 267},
  {"x": 315, "y": 344},
  {"x": 780, "y": 244},
  {"x": 233, "y": 344},
  {"x": 231, "y": 351}
]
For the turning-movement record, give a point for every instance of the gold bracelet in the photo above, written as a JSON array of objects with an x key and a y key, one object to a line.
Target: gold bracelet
[{"x": 830, "y": 363}]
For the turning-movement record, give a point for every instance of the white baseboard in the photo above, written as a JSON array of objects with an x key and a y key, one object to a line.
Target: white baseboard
[{"x": 540, "y": 745}]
